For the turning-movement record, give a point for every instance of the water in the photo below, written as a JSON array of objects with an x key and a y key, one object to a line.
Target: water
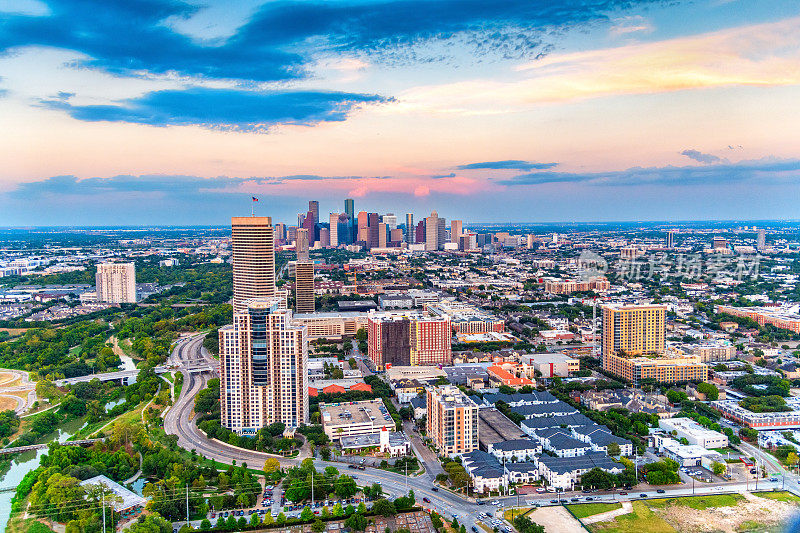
[
  {"x": 113, "y": 403},
  {"x": 127, "y": 363},
  {"x": 25, "y": 462}
]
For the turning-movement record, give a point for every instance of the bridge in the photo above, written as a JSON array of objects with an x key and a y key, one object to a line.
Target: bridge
[
  {"x": 20, "y": 449},
  {"x": 122, "y": 376}
]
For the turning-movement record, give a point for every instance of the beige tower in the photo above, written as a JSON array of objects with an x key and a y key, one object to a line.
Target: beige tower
[
  {"x": 304, "y": 275},
  {"x": 432, "y": 232},
  {"x": 263, "y": 368},
  {"x": 116, "y": 283},
  {"x": 456, "y": 229},
  {"x": 253, "y": 247}
]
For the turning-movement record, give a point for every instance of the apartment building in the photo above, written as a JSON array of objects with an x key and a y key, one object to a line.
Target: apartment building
[
  {"x": 452, "y": 420},
  {"x": 116, "y": 283},
  {"x": 253, "y": 257},
  {"x": 408, "y": 339},
  {"x": 263, "y": 362}
]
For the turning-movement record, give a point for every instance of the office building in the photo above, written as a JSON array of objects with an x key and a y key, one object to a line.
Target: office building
[
  {"x": 719, "y": 243},
  {"x": 419, "y": 233},
  {"x": 324, "y": 238},
  {"x": 349, "y": 209},
  {"x": 410, "y": 229},
  {"x": 333, "y": 226},
  {"x": 313, "y": 208},
  {"x": 304, "y": 275},
  {"x": 456, "y": 230},
  {"x": 670, "y": 239},
  {"x": 349, "y": 419},
  {"x": 253, "y": 256},
  {"x": 310, "y": 224},
  {"x": 452, "y": 420},
  {"x": 382, "y": 230},
  {"x": 396, "y": 237},
  {"x": 432, "y": 232},
  {"x": 263, "y": 361},
  {"x": 390, "y": 219},
  {"x": 441, "y": 233},
  {"x": 373, "y": 230},
  {"x": 363, "y": 227},
  {"x": 761, "y": 240},
  {"x": 467, "y": 242},
  {"x": 116, "y": 283},
  {"x": 408, "y": 339}
]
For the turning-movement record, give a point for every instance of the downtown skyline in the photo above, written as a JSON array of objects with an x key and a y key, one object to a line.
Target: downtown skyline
[{"x": 600, "y": 111}]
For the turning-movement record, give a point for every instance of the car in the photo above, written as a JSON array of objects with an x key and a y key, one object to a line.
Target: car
[
  {"x": 661, "y": 491},
  {"x": 623, "y": 493},
  {"x": 553, "y": 501},
  {"x": 773, "y": 479},
  {"x": 574, "y": 499},
  {"x": 354, "y": 467},
  {"x": 480, "y": 502},
  {"x": 426, "y": 499},
  {"x": 586, "y": 491},
  {"x": 589, "y": 498},
  {"x": 475, "y": 529},
  {"x": 643, "y": 495},
  {"x": 540, "y": 490},
  {"x": 752, "y": 470},
  {"x": 435, "y": 489}
]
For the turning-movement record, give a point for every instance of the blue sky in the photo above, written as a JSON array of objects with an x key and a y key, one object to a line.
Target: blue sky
[{"x": 584, "y": 110}]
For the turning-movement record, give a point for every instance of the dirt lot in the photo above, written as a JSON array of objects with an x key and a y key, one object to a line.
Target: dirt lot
[{"x": 555, "y": 519}]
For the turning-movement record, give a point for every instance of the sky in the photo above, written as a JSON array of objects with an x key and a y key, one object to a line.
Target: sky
[{"x": 128, "y": 112}]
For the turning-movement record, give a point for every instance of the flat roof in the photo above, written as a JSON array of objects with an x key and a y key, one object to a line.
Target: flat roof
[
  {"x": 129, "y": 498},
  {"x": 351, "y": 413}
]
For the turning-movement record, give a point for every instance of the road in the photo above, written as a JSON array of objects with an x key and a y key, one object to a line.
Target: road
[
  {"x": 24, "y": 385},
  {"x": 177, "y": 421}
]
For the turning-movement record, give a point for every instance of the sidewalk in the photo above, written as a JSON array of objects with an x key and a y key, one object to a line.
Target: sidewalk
[{"x": 609, "y": 515}]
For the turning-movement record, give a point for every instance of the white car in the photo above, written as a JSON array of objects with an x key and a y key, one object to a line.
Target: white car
[
  {"x": 540, "y": 490},
  {"x": 496, "y": 502}
]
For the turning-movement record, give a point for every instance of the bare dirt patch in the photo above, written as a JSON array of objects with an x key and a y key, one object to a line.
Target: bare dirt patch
[
  {"x": 728, "y": 519},
  {"x": 555, "y": 519}
]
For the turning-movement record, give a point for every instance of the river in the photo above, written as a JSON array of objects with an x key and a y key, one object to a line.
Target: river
[{"x": 25, "y": 462}]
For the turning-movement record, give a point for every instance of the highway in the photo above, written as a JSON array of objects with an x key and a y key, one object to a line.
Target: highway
[{"x": 177, "y": 421}]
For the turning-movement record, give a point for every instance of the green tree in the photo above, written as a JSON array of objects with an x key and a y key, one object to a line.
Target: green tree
[
  {"x": 718, "y": 468},
  {"x": 254, "y": 519},
  {"x": 205, "y": 525},
  {"x": 318, "y": 526},
  {"x": 384, "y": 507},
  {"x": 613, "y": 449},
  {"x": 356, "y": 522},
  {"x": 307, "y": 514}
]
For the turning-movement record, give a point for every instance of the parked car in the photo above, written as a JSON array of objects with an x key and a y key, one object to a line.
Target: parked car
[{"x": 426, "y": 499}]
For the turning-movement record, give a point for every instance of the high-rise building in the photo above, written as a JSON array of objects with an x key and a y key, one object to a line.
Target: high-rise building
[
  {"x": 467, "y": 242},
  {"x": 253, "y": 256},
  {"x": 719, "y": 243},
  {"x": 456, "y": 229},
  {"x": 404, "y": 339},
  {"x": 363, "y": 227},
  {"x": 374, "y": 221},
  {"x": 333, "y": 225},
  {"x": 344, "y": 233},
  {"x": 432, "y": 232},
  {"x": 419, "y": 233},
  {"x": 410, "y": 230},
  {"x": 452, "y": 421},
  {"x": 303, "y": 275},
  {"x": 762, "y": 239},
  {"x": 311, "y": 225},
  {"x": 301, "y": 219},
  {"x": 670, "y": 239},
  {"x": 349, "y": 209},
  {"x": 313, "y": 207},
  {"x": 396, "y": 236},
  {"x": 116, "y": 283},
  {"x": 304, "y": 287},
  {"x": 280, "y": 233},
  {"x": 382, "y": 231},
  {"x": 441, "y": 233},
  {"x": 390, "y": 219},
  {"x": 634, "y": 346},
  {"x": 263, "y": 368}
]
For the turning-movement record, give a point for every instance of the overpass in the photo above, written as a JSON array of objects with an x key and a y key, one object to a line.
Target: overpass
[
  {"x": 122, "y": 376},
  {"x": 20, "y": 449}
]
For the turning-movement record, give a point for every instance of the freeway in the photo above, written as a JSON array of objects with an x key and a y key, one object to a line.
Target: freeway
[{"x": 178, "y": 421}]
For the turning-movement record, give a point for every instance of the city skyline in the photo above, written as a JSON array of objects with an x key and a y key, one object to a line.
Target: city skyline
[{"x": 599, "y": 111}]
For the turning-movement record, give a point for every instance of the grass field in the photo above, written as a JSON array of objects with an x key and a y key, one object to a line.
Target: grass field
[
  {"x": 699, "y": 502},
  {"x": 582, "y": 510},
  {"x": 780, "y": 496},
  {"x": 516, "y": 512},
  {"x": 641, "y": 519}
]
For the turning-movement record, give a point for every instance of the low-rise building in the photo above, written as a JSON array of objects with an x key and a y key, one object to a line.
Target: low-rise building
[
  {"x": 549, "y": 365},
  {"x": 348, "y": 419},
  {"x": 516, "y": 450},
  {"x": 565, "y": 472}
]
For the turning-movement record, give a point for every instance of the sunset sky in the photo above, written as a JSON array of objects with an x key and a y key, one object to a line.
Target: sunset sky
[{"x": 146, "y": 111}]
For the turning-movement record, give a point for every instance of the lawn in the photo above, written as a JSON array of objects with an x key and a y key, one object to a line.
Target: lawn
[
  {"x": 641, "y": 519},
  {"x": 583, "y": 510},
  {"x": 515, "y": 513},
  {"x": 781, "y": 496},
  {"x": 699, "y": 502}
]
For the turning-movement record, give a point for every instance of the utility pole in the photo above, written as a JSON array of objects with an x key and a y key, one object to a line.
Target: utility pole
[
  {"x": 187, "y": 505},
  {"x": 103, "y": 493},
  {"x": 406, "y": 462},
  {"x": 312, "y": 489}
]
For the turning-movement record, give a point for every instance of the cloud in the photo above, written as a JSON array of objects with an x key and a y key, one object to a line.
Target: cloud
[
  {"x": 761, "y": 55},
  {"x": 226, "y": 109},
  {"x": 279, "y": 39},
  {"x": 443, "y": 176},
  {"x": 761, "y": 170},
  {"x": 509, "y": 164},
  {"x": 630, "y": 24},
  {"x": 700, "y": 157}
]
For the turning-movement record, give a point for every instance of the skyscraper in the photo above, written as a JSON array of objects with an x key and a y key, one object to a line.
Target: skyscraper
[
  {"x": 313, "y": 207},
  {"x": 362, "y": 234},
  {"x": 390, "y": 219},
  {"x": 432, "y": 232},
  {"x": 303, "y": 275},
  {"x": 456, "y": 229},
  {"x": 253, "y": 255},
  {"x": 419, "y": 234},
  {"x": 333, "y": 225},
  {"x": 441, "y": 234},
  {"x": 410, "y": 229},
  {"x": 452, "y": 421},
  {"x": 350, "y": 210},
  {"x": 116, "y": 283},
  {"x": 762, "y": 239},
  {"x": 372, "y": 230},
  {"x": 382, "y": 232},
  {"x": 670, "y": 239},
  {"x": 263, "y": 362},
  {"x": 311, "y": 225}
]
